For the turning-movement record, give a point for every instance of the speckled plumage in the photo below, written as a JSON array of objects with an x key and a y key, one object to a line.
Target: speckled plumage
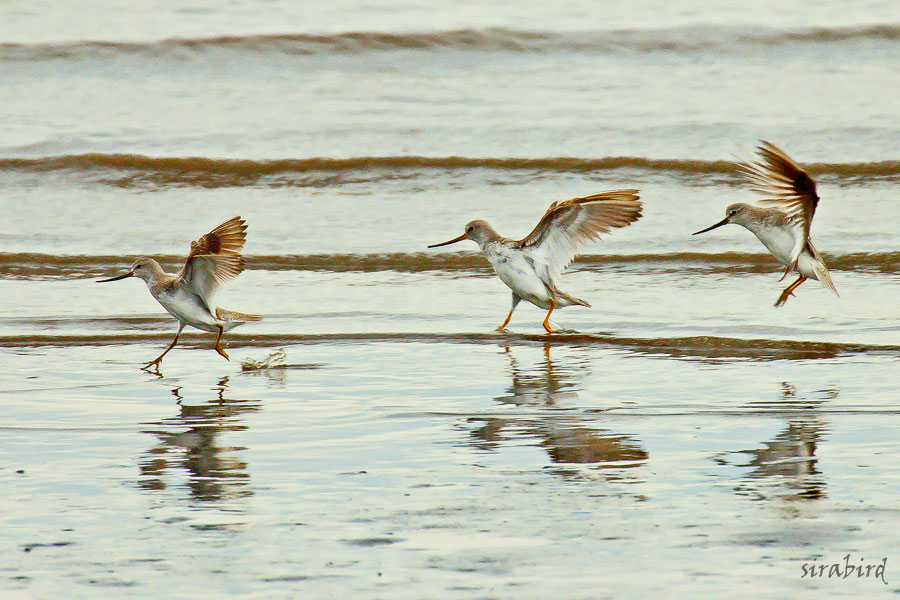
[
  {"x": 531, "y": 266},
  {"x": 213, "y": 259}
]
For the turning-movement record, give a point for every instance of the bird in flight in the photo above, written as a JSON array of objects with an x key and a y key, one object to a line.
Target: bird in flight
[{"x": 783, "y": 227}]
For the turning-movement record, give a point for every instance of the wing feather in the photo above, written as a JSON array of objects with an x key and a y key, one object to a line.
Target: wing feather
[
  {"x": 787, "y": 186},
  {"x": 215, "y": 258},
  {"x": 569, "y": 225}
]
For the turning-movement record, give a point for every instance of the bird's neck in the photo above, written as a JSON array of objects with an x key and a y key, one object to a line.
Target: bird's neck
[
  {"x": 155, "y": 275},
  {"x": 486, "y": 236}
]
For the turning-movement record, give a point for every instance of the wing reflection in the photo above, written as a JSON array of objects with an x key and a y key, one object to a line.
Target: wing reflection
[
  {"x": 190, "y": 442},
  {"x": 563, "y": 433},
  {"x": 786, "y": 466}
]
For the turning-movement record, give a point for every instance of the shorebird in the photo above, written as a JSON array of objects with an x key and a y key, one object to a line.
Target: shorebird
[
  {"x": 531, "y": 266},
  {"x": 214, "y": 259},
  {"x": 784, "y": 228}
]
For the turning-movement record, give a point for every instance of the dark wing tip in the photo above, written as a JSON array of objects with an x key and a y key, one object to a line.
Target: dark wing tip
[
  {"x": 776, "y": 173},
  {"x": 778, "y": 162}
]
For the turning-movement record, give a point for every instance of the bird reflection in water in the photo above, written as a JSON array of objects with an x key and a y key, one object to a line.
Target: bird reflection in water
[
  {"x": 191, "y": 441},
  {"x": 561, "y": 431},
  {"x": 786, "y": 466}
]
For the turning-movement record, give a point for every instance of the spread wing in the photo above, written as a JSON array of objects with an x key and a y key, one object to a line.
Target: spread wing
[
  {"x": 215, "y": 258},
  {"x": 569, "y": 225},
  {"x": 788, "y": 187}
]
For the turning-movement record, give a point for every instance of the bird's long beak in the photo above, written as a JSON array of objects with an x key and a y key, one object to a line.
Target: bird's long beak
[
  {"x": 453, "y": 241},
  {"x": 724, "y": 221},
  {"x": 117, "y": 277}
]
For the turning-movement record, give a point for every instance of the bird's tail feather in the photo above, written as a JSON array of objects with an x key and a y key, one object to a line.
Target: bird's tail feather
[
  {"x": 231, "y": 315},
  {"x": 825, "y": 278},
  {"x": 820, "y": 269},
  {"x": 570, "y": 300}
]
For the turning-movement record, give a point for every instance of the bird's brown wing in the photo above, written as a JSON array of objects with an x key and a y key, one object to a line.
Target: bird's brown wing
[
  {"x": 567, "y": 226},
  {"x": 215, "y": 258},
  {"x": 785, "y": 185}
]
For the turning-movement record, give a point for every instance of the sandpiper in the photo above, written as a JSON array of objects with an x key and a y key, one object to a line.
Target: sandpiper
[
  {"x": 530, "y": 266},
  {"x": 784, "y": 228},
  {"x": 214, "y": 259}
]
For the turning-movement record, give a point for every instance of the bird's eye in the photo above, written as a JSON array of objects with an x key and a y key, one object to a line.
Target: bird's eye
[
  {"x": 731, "y": 213},
  {"x": 138, "y": 267},
  {"x": 469, "y": 229}
]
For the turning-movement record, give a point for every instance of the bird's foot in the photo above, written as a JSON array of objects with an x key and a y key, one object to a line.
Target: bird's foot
[
  {"x": 784, "y": 297},
  {"x": 152, "y": 366},
  {"x": 787, "y": 271}
]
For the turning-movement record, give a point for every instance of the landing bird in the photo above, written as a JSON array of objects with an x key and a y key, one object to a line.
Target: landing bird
[
  {"x": 784, "y": 228},
  {"x": 531, "y": 266},
  {"x": 214, "y": 259}
]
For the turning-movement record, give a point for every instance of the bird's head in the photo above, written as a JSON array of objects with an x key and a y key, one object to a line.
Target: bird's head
[
  {"x": 145, "y": 268},
  {"x": 736, "y": 213},
  {"x": 478, "y": 231}
]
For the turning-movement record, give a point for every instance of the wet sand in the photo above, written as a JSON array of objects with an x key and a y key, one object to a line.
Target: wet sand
[{"x": 457, "y": 467}]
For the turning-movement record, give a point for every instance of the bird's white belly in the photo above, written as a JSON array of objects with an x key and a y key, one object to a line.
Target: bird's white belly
[
  {"x": 188, "y": 309},
  {"x": 806, "y": 264},
  {"x": 780, "y": 242},
  {"x": 519, "y": 274}
]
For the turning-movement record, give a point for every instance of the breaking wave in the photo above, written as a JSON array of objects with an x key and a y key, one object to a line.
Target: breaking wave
[
  {"x": 679, "y": 39},
  {"x": 48, "y": 266},
  {"x": 126, "y": 170}
]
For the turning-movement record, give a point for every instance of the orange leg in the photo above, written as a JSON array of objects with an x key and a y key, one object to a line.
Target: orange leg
[
  {"x": 786, "y": 272},
  {"x": 506, "y": 322},
  {"x": 155, "y": 361},
  {"x": 515, "y": 302},
  {"x": 789, "y": 291},
  {"x": 218, "y": 341},
  {"x": 788, "y": 269},
  {"x": 547, "y": 318}
]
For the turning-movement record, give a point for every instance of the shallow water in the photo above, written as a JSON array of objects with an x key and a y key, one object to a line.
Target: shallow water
[
  {"x": 681, "y": 437},
  {"x": 372, "y": 467}
]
